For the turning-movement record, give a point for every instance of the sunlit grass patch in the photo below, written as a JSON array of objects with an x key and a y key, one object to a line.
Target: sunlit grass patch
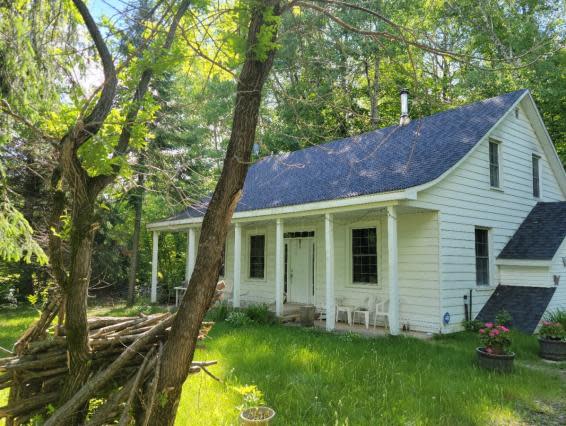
[{"x": 311, "y": 377}]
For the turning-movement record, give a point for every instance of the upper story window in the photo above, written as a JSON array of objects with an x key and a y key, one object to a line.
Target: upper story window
[
  {"x": 536, "y": 176},
  {"x": 257, "y": 256},
  {"x": 364, "y": 256},
  {"x": 494, "y": 172},
  {"x": 482, "y": 256}
]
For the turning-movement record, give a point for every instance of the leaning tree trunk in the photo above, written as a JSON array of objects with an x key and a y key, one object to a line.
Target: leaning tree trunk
[{"x": 180, "y": 347}]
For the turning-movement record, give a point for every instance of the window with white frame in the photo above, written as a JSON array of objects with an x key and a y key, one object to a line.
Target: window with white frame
[
  {"x": 482, "y": 256},
  {"x": 364, "y": 256},
  {"x": 257, "y": 256},
  {"x": 536, "y": 175},
  {"x": 494, "y": 169}
]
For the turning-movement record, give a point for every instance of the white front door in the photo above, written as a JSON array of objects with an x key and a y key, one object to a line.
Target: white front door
[{"x": 300, "y": 270}]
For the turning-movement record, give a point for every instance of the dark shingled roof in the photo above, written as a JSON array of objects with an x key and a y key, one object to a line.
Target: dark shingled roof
[
  {"x": 389, "y": 159},
  {"x": 540, "y": 235},
  {"x": 525, "y": 304}
]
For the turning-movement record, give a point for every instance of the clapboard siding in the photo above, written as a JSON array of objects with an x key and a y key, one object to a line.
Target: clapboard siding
[
  {"x": 418, "y": 266},
  {"x": 525, "y": 275},
  {"x": 559, "y": 299},
  {"x": 465, "y": 200}
]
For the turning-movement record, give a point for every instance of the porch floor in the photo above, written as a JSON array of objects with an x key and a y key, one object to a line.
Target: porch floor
[{"x": 291, "y": 317}]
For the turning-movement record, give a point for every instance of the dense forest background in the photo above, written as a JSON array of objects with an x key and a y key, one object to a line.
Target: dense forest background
[{"x": 326, "y": 83}]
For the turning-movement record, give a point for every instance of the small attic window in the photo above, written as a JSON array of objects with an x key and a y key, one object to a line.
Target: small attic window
[{"x": 516, "y": 112}]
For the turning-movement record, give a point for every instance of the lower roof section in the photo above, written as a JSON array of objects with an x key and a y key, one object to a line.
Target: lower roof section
[
  {"x": 526, "y": 305},
  {"x": 540, "y": 235}
]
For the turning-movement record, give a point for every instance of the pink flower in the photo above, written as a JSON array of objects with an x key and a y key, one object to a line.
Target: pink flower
[
  {"x": 505, "y": 329},
  {"x": 489, "y": 324},
  {"x": 482, "y": 331}
]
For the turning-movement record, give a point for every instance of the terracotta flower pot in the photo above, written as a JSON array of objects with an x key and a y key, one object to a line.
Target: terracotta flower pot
[
  {"x": 554, "y": 350},
  {"x": 257, "y": 416},
  {"x": 494, "y": 362}
]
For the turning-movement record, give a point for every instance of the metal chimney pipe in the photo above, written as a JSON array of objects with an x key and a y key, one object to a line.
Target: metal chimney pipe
[{"x": 404, "y": 107}]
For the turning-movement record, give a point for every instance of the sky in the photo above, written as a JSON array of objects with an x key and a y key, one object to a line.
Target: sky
[{"x": 98, "y": 8}]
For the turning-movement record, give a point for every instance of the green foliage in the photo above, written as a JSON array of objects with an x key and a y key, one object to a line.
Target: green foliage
[
  {"x": 503, "y": 317},
  {"x": 266, "y": 36},
  {"x": 558, "y": 315},
  {"x": 238, "y": 319},
  {"x": 219, "y": 312},
  {"x": 303, "y": 375},
  {"x": 17, "y": 237},
  {"x": 260, "y": 314},
  {"x": 251, "y": 396},
  {"x": 552, "y": 331},
  {"x": 495, "y": 338},
  {"x": 472, "y": 325}
]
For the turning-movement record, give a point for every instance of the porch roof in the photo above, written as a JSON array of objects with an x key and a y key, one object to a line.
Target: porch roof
[{"x": 385, "y": 160}]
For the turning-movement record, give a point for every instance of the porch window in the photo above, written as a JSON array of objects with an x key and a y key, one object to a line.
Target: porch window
[
  {"x": 494, "y": 164},
  {"x": 536, "y": 176},
  {"x": 482, "y": 256},
  {"x": 257, "y": 256},
  {"x": 364, "y": 256}
]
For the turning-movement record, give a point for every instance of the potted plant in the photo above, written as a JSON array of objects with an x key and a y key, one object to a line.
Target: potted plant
[
  {"x": 552, "y": 341},
  {"x": 253, "y": 410},
  {"x": 494, "y": 353}
]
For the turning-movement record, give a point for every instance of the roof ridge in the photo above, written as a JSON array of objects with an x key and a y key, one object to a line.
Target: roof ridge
[{"x": 382, "y": 129}]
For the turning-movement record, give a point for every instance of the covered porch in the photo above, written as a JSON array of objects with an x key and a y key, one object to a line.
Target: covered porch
[{"x": 308, "y": 258}]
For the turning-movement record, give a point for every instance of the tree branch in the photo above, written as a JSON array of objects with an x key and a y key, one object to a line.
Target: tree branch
[
  {"x": 85, "y": 129},
  {"x": 141, "y": 90}
]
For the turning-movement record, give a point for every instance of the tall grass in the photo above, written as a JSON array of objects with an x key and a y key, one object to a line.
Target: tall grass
[{"x": 311, "y": 377}]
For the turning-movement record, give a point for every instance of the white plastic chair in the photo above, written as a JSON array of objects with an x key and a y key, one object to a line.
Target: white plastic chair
[
  {"x": 341, "y": 307},
  {"x": 364, "y": 311},
  {"x": 381, "y": 309}
]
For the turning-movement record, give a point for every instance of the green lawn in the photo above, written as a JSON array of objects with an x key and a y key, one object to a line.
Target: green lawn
[{"x": 314, "y": 378}]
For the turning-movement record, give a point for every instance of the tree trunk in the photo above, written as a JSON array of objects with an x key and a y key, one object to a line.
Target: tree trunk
[
  {"x": 375, "y": 93},
  {"x": 83, "y": 228},
  {"x": 179, "y": 349},
  {"x": 137, "y": 202}
]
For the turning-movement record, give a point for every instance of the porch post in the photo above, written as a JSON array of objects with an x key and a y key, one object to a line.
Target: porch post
[
  {"x": 329, "y": 252},
  {"x": 279, "y": 267},
  {"x": 191, "y": 250},
  {"x": 154, "y": 260},
  {"x": 393, "y": 270},
  {"x": 237, "y": 265}
]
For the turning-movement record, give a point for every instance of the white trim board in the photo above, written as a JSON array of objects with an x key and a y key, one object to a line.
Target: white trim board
[
  {"x": 523, "y": 262},
  {"x": 309, "y": 209}
]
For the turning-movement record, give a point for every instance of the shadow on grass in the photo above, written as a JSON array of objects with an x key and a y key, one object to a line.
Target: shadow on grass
[
  {"x": 13, "y": 322},
  {"x": 312, "y": 377}
]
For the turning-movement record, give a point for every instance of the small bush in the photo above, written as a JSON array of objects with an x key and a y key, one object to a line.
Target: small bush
[
  {"x": 503, "y": 318},
  {"x": 552, "y": 331},
  {"x": 473, "y": 325},
  {"x": 260, "y": 314},
  {"x": 238, "y": 319},
  {"x": 220, "y": 312},
  {"x": 558, "y": 315}
]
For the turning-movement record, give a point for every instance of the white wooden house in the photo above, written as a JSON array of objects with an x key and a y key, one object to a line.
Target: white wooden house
[{"x": 416, "y": 214}]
